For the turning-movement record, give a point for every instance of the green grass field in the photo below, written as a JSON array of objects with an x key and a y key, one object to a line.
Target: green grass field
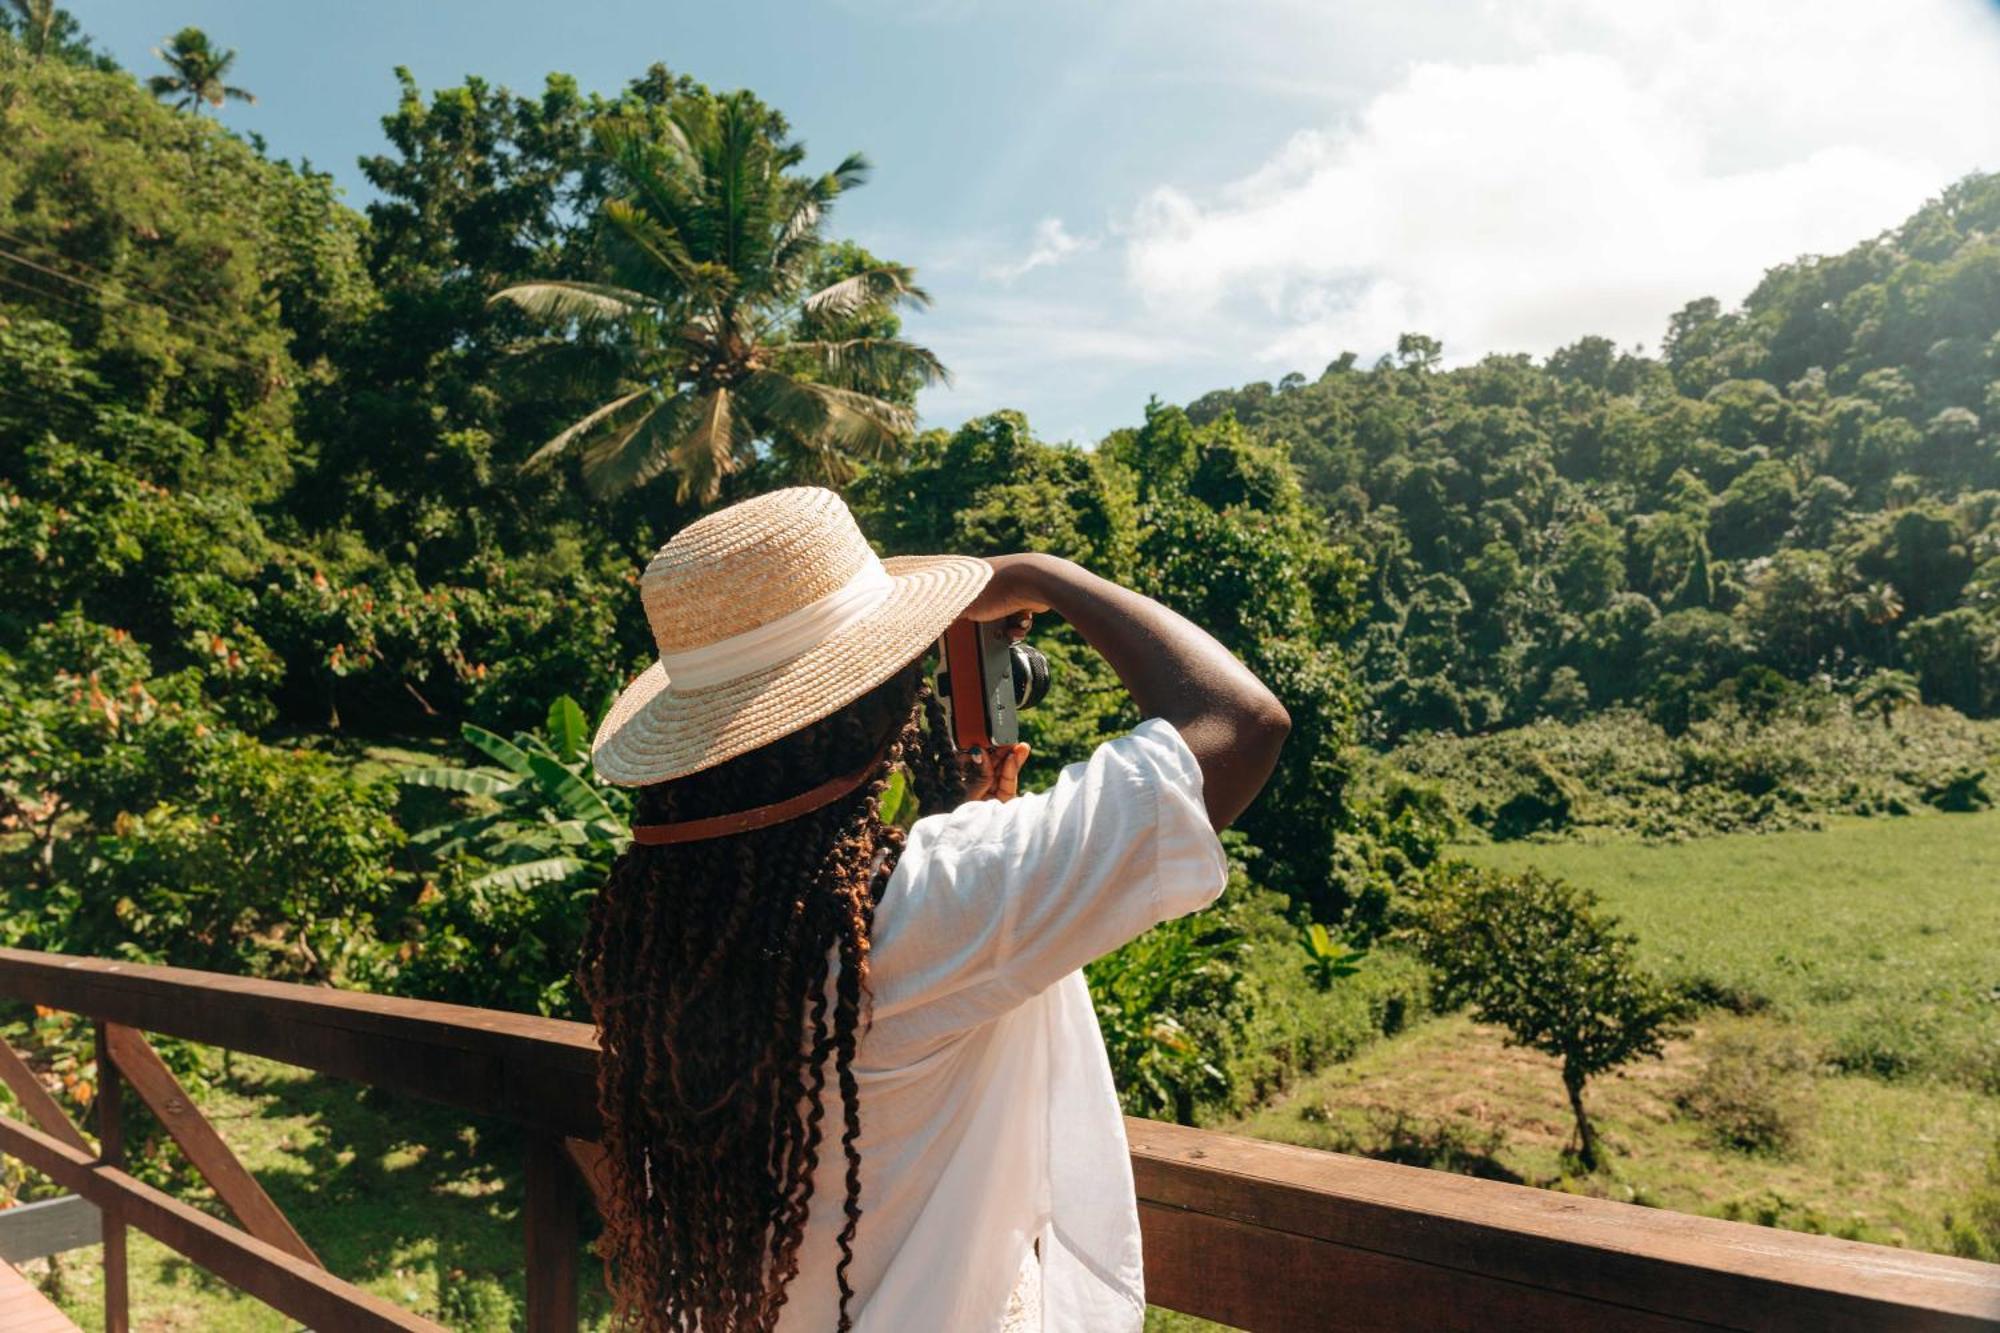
[
  {"x": 1857, "y": 980},
  {"x": 1879, "y": 937}
]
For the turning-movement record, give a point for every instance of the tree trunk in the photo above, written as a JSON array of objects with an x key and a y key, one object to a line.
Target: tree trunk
[{"x": 1586, "y": 1137}]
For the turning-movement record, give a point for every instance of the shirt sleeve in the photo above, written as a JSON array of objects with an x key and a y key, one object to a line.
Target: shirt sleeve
[{"x": 996, "y": 901}]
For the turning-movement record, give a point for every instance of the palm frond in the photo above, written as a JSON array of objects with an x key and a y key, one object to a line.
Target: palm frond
[
  {"x": 591, "y": 424},
  {"x": 890, "y": 284},
  {"x": 532, "y": 874},
  {"x": 871, "y": 363},
  {"x": 496, "y": 747},
  {"x": 557, "y": 368},
  {"x": 707, "y": 451},
  {"x": 470, "y": 781},
  {"x": 636, "y": 452},
  {"x": 583, "y": 302},
  {"x": 578, "y": 799},
  {"x": 652, "y": 237},
  {"x": 820, "y": 417}
]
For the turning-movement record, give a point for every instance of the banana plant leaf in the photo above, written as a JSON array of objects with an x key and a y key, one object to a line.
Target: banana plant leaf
[
  {"x": 532, "y": 874},
  {"x": 470, "y": 781},
  {"x": 498, "y": 748},
  {"x": 568, "y": 729},
  {"x": 576, "y": 797}
]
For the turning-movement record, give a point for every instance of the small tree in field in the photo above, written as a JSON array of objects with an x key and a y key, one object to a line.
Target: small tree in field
[{"x": 1535, "y": 956}]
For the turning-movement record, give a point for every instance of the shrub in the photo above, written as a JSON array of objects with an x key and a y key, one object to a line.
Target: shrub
[
  {"x": 1748, "y": 1092},
  {"x": 1327, "y": 958},
  {"x": 1171, "y": 1008},
  {"x": 499, "y": 920},
  {"x": 158, "y": 832},
  {"x": 1962, "y": 791},
  {"x": 1888, "y": 1041}
]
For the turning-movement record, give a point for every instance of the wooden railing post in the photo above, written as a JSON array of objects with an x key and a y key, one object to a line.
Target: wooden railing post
[
  {"x": 111, "y": 1151},
  {"x": 550, "y": 1221}
]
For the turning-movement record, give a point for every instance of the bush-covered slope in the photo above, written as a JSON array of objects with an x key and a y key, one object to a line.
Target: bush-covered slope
[{"x": 1809, "y": 484}]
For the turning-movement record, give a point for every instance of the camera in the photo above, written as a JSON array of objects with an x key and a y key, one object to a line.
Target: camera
[{"x": 985, "y": 680}]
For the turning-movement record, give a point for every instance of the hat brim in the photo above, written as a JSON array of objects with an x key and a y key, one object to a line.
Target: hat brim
[{"x": 656, "y": 732}]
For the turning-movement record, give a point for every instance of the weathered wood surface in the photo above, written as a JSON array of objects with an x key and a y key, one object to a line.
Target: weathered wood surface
[
  {"x": 110, "y": 1108},
  {"x": 286, "y": 1283},
  {"x": 1261, "y": 1235},
  {"x": 1267, "y": 1235},
  {"x": 23, "y": 1308},
  {"x": 48, "y": 1226},
  {"x": 554, "y": 1191},
  {"x": 164, "y": 1096},
  {"x": 539, "y": 1071}
]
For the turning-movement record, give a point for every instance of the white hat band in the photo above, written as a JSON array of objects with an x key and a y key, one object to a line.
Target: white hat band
[{"x": 782, "y": 639}]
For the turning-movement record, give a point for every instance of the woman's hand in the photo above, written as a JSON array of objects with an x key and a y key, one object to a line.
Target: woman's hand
[{"x": 994, "y": 774}]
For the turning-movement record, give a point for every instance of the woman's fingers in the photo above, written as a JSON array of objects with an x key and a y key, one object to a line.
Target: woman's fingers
[
  {"x": 1019, "y": 624},
  {"x": 994, "y": 774},
  {"x": 978, "y": 775},
  {"x": 1006, "y": 763}
]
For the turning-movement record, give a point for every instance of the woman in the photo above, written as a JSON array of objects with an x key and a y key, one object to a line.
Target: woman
[{"x": 851, "y": 1078}]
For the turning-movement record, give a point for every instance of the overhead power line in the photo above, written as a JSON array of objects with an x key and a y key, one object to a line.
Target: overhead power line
[
  {"x": 43, "y": 250},
  {"x": 206, "y": 333}
]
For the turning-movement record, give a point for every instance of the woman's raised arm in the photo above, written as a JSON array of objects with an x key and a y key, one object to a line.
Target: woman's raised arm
[{"x": 1172, "y": 667}]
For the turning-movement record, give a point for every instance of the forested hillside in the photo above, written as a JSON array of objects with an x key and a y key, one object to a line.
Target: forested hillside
[{"x": 1807, "y": 486}]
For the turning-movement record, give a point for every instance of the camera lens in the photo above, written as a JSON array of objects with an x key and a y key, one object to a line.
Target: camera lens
[{"x": 1031, "y": 674}]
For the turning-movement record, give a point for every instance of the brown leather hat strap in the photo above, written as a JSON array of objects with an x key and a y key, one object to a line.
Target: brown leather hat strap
[{"x": 763, "y": 816}]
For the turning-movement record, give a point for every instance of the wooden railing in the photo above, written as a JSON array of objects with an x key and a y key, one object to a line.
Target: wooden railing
[{"x": 1258, "y": 1235}]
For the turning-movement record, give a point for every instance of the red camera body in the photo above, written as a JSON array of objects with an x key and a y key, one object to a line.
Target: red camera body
[{"x": 977, "y": 683}]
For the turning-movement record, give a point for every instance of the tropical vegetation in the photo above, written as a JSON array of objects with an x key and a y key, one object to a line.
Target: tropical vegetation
[{"x": 319, "y": 528}]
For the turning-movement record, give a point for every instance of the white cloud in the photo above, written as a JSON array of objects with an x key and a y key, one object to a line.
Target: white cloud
[
  {"x": 1057, "y": 357},
  {"x": 1607, "y": 163},
  {"x": 1053, "y": 244}
]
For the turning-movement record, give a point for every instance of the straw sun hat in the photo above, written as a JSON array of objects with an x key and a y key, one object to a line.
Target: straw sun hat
[{"x": 770, "y": 615}]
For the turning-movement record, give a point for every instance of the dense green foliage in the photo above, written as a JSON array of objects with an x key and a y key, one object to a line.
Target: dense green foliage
[
  {"x": 1619, "y": 771},
  {"x": 1810, "y": 484}
]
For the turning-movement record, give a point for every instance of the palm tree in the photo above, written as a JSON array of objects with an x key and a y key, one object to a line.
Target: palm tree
[
  {"x": 198, "y": 70},
  {"x": 37, "y": 19},
  {"x": 1886, "y": 691},
  {"x": 712, "y": 341},
  {"x": 1880, "y": 605}
]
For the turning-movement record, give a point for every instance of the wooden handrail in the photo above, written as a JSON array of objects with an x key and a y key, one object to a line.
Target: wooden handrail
[{"x": 1260, "y": 1235}]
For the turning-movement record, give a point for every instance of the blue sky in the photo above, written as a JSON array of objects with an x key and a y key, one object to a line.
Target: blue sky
[{"x": 1111, "y": 199}]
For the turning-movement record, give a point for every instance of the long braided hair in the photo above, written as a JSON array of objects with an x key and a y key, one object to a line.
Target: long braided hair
[{"x": 706, "y": 968}]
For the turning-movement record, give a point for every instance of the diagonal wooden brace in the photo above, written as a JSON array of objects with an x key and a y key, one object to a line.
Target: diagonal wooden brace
[
  {"x": 35, "y": 1099},
  {"x": 233, "y": 1184}
]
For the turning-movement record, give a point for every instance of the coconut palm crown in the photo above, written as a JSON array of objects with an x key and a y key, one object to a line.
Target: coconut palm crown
[
  {"x": 713, "y": 340},
  {"x": 198, "y": 72}
]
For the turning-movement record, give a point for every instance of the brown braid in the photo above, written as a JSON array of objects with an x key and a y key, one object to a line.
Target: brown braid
[{"x": 706, "y": 967}]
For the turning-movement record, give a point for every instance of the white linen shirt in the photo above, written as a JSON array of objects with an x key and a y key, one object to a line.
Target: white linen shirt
[{"x": 988, "y": 1116}]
